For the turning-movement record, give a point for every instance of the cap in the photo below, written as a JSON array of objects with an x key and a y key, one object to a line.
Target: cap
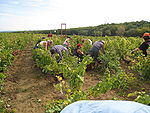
[
  {"x": 103, "y": 41},
  {"x": 146, "y": 34},
  {"x": 79, "y": 45}
]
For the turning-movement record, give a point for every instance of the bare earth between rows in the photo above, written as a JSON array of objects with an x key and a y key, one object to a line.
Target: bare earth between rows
[{"x": 27, "y": 89}]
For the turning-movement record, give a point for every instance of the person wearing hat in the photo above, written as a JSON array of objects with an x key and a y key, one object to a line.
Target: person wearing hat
[
  {"x": 97, "y": 46},
  {"x": 77, "y": 52},
  {"x": 145, "y": 45},
  {"x": 58, "y": 49},
  {"x": 146, "y": 36},
  {"x": 45, "y": 44}
]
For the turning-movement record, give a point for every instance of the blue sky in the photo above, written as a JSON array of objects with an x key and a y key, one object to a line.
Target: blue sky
[{"x": 49, "y": 14}]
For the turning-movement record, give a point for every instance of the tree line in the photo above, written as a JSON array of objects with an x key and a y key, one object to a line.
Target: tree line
[{"x": 127, "y": 29}]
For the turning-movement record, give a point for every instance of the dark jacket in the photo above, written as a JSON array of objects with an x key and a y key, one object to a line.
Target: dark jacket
[{"x": 144, "y": 46}]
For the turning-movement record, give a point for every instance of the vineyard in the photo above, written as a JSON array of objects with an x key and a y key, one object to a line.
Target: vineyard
[{"x": 50, "y": 86}]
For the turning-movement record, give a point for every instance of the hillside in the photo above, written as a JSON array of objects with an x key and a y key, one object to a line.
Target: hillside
[{"x": 127, "y": 29}]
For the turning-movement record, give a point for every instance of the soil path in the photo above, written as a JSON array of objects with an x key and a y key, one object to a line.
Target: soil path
[{"x": 26, "y": 89}]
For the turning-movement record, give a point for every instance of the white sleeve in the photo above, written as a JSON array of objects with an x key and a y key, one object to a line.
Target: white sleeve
[{"x": 90, "y": 41}]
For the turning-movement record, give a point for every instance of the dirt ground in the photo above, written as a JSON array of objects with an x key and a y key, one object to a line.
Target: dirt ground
[{"x": 28, "y": 90}]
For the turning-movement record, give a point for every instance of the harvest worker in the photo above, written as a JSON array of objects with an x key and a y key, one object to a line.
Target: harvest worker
[
  {"x": 145, "y": 45},
  {"x": 50, "y": 34},
  {"x": 90, "y": 41},
  {"x": 106, "y": 106},
  {"x": 58, "y": 49},
  {"x": 77, "y": 52},
  {"x": 98, "y": 45},
  {"x": 66, "y": 42},
  {"x": 36, "y": 45},
  {"x": 45, "y": 44}
]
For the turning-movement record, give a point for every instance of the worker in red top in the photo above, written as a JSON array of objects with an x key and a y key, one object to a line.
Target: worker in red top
[
  {"x": 50, "y": 34},
  {"x": 77, "y": 52}
]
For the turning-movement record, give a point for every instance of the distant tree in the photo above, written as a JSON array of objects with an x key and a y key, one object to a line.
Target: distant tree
[
  {"x": 83, "y": 32},
  {"x": 113, "y": 30},
  {"x": 131, "y": 32},
  {"x": 108, "y": 32},
  {"x": 120, "y": 30}
]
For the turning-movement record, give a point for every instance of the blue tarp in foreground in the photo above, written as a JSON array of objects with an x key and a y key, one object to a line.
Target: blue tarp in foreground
[{"x": 106, "y": 106}]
